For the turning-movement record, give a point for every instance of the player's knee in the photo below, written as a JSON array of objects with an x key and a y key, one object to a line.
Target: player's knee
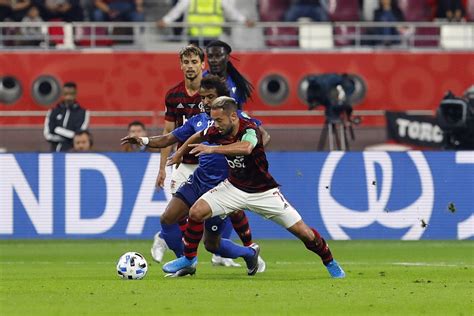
[
  {"x": 199, "y": 211},
  {"x": 166, "y": 219}
]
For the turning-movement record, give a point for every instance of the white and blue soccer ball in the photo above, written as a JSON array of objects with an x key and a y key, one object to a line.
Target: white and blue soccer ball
[{"x": 132, "y": 266}]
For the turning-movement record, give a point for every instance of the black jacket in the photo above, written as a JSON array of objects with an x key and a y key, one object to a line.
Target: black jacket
[{"x": 62, "y": 122}]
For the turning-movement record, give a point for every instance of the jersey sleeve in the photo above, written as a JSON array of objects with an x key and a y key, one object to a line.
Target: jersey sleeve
[
  {"x": 244, "y": 115},
  {"x": 185, "y": 131},
  {"x": 170, "y": 111},
  {"x": 210, "y": 134}
]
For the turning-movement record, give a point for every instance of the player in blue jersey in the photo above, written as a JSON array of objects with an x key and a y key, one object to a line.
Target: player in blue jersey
[
  {"x": 218, "y": 57},
  {"x": 212, "y": 170}
]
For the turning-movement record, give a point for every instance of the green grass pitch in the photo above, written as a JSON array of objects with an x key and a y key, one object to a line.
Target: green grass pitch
[{"x": 77, "y": 277}]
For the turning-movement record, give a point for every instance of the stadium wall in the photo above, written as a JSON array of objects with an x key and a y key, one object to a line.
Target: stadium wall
[
  {"x": 138, "y": 81},
  {"x": 365, "y": 195}
]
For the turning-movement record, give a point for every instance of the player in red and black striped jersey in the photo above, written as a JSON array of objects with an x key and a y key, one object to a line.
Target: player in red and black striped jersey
[
  {"x": 248, "y": 173},
  {"x": 249, "y": 186}
]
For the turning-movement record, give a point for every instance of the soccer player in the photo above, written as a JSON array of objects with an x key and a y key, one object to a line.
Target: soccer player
[
  {"x": 249, "y": 186},
  {"x": 218, "y": 57},
  {"x": 211, "y": 171},
  {"x": 182, "y": 102}
]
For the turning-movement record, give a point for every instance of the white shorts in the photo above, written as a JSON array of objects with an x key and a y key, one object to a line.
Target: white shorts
[
  {"x": 226, "y": 198},
  {"x": 180, "y": 175}
]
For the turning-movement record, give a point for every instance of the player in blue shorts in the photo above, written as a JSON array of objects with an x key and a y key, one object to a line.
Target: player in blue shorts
[{"x": 212, "y": 169}]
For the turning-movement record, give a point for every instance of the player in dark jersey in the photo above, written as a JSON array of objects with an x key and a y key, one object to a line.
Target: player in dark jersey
[
  {"x": 218, "y": 58},
  {"x": 212, "y": 170},
  {"x": 182, "y": 102},
  {"x": 249, "y": 186}
]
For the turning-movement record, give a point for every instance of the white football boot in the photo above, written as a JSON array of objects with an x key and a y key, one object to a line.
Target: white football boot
[
  {"x": 226, "y": 262},
  {"x": 159, "y": 248}
]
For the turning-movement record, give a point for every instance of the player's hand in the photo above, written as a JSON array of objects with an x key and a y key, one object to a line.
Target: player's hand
[
  {"x": 135, "y": 140},
  {"x": 174, "y": 159},
  {"x": 200, "y": 149},
  {"x": 160, "y": 179}
]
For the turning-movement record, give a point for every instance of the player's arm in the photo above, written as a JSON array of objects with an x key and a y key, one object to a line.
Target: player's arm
[
  {"x": 242, "y": 148},
  {"x": 159, "y": 141},
  {"x": 164, "y": 153},
  {"x": 185, "y": 148},
  {"x": 265, "y": 136}
]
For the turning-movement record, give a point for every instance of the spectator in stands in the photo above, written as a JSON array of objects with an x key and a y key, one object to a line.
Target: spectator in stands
[
  {"x": 119, "y": 10},
  {"x": 20, "y": 9},
  {"x": 82, "y": 141},
  {"x": 33, "y": 33},
  {"x": 388, "y": 11},
  {"x": 5, "y": 9},
  {"x": 65, "y": 120},
  {"x": 453, "y": 10},
  {"x": 211, "y": 11},
  {"x": 316, "y": 10},
  {"x": 63, "y": 10}
]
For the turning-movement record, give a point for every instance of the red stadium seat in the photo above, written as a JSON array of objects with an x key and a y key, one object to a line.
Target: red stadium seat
[
  {"x": 425, "y": 33},
  {"x": 347, "y": 10},
  {"x": 274, "y": 10},
  {"x": 416, "y": 10}
]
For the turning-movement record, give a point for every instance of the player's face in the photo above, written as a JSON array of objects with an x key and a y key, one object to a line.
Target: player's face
[
  {"x": 69, "y": 95},
  {"x": 207, "y": 96},
  {"x": 217, "y": 59},
  {"x": 191, "y": 66},
  {"x": 82, "y": 143},
  {"x": 136, "y": 130},
  {"x": 223, "y": 122}
]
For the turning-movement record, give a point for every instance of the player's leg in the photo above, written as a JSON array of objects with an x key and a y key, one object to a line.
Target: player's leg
[
  {"x": 273, "y": 205},
  {"x": 221, "y": 200},
  {"x": 224, "y": 247},
  {"x": 218, "y": 260},
  {"x": 178, "y": 177},
  {"x": 170, "y": 230},
  {"x": 242, "y": 228}
]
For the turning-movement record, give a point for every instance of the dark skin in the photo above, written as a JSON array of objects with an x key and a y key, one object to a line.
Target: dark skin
[{"x": 217, "y": 58}]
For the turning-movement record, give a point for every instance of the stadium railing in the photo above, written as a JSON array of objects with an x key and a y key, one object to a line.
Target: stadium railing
[{"x": 264, "y": 35}]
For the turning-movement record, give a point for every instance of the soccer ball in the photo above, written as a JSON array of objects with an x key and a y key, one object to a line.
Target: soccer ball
[{"x": 132, "y": 266}]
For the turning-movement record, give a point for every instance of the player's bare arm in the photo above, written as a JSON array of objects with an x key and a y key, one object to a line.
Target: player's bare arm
[
  {"x": 265, "y": 136},
  {"x": 165, "y": 152},
  {"x": 184, "y": 149},
  {"x": 242, "y": 148}
]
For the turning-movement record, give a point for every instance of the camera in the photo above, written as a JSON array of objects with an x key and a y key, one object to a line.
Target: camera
[
  {"x": 336, "y": 92},
  {"x": 455, "y": 116}
]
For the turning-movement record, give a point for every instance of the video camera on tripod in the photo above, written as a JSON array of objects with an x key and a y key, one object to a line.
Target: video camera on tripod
[{"x": 337, "y": 93}]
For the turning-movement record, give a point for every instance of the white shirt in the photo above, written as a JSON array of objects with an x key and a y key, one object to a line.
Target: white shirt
[{"x": 182, "y": 6}]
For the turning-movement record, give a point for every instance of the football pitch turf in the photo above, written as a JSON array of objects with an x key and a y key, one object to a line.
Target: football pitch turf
[{"x": 78, "y": 277}]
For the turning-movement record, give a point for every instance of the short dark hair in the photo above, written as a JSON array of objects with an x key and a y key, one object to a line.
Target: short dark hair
[
  {"x": 136, "y": 123},
  {"x": 70, "y": 84},
  {"x": 227, "y": 104},
  {"x": 215, "y": 82},
  {"x": 191, "y": 50},
  {"x": 85, "y": 132}
]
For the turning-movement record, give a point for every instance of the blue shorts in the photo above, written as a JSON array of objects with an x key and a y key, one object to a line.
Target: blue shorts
[{"x": 190, "y": 192}]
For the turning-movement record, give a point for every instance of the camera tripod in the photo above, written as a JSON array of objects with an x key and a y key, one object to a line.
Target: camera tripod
[{"x": 335, "y": 132}]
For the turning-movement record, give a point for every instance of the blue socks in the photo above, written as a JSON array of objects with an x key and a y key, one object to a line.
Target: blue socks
[
  {"x": 227, "y": 230},
  {"x": 229, "y": 249},
  {"x": 173, "y": 237}
]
